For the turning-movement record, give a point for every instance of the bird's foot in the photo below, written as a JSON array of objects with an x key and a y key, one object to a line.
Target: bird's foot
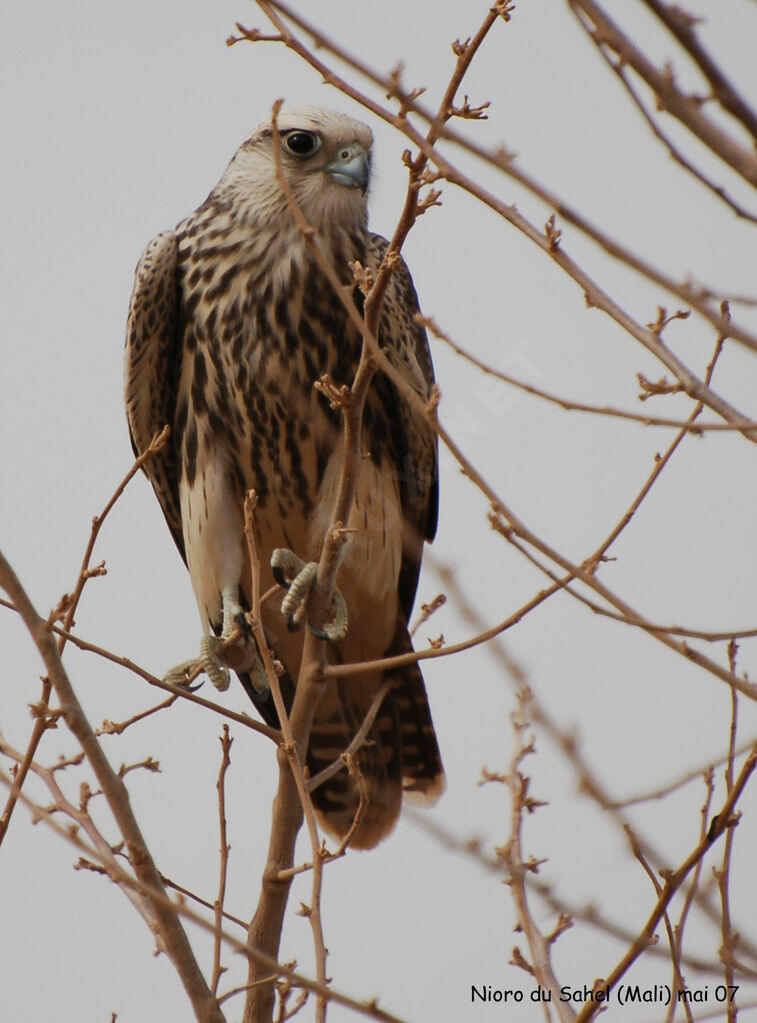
[
  {"x": 207, "y": 663},
  {"x": 216, "y": 656},
  {"x": 298, "y": 577},
  {"x": 235, "y": 648}
]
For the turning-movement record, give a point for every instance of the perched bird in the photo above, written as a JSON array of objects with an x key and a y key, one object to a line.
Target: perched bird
[{"x": 230, "y": 325}]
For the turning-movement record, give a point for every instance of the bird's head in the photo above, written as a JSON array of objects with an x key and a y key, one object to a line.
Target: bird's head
[{"x": 325, "y": 158}]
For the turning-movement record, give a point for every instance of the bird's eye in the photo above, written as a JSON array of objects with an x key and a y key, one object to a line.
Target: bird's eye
[{"x": 302, "y": 143}]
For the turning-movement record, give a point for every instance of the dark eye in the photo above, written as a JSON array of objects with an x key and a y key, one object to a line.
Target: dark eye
[{"x": 302, "y": 143}]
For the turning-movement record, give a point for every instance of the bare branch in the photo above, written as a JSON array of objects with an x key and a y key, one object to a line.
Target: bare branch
[
  {"x": 291, "y": 802},
  {"x": 178, "y": 692},
  {"x": 66, "y": 610},
  {"x": 518, "y": 869},
  {"x": 357, "y": 742},
  {"x": 171, "y": 930},
  {"x": 721, "y": 823},
  {"x": 686, "y": 109},
  {"x": 683, "y": 27},
  {"x": 370, "y": 1008},
  {"x": 569, "y": 405},
  {"x": 499, "y": 159},
  {"x": 218, "y": 970}
]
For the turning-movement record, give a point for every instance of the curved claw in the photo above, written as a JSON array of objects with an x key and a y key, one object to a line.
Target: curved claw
[
  {"x": 336, "y": 629},
  {"x": 286, "y": 566},
  {"x": 207, "y": 662},
  {"x": 278, "y": 574},
  {"x": 235, "y": 647},
  {"x": 298, "y": 577},
  {"x": 180, "y": 674}
]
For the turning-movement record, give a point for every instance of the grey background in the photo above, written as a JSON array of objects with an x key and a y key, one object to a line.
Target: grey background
[{"x": 118, "y": 120}]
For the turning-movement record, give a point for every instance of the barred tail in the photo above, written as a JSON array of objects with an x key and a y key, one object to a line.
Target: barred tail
[{"x": 399, "y": 757}]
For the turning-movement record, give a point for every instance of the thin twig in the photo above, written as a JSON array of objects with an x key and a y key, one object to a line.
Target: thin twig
[
  {"x": 188, "y": 894},
  {"x": 649, "y": 338},
  {"x": 42, "y": 722},
  {"x": 244, "y": 988},
  {"x": 659, "y": 466},
  {"x": 117, "y": 728},
  {"x": 369, "y": 1008},
  {"x": 170, "y": 927},
  {"x": 357, "y": 740},
  {"x": 68, "y": 605},
  {"x": 569, "y": 405},
  {"x": 291, "y": 802},
  {"x": 412, "y": 657},
  {"x": 684, "y": 108},
  {"x": 427, "y": 610},
  {"x": 512, "y": 856},
  {"x": 589, "y": 914},
  {"x": 156, "y": 444},
  {"x": 723, "y": 875},
  {"x": 218, "y": 970},
  {"x": 177, "y": 691},
  {"x": 665, "y": 790},
  {"x": 82, "y": 819},
  {"x": 673, "y": 945},
  {"x": 683, "y": 27},
  {"x": 618, "y": 67},
  {"x": 497, "y": 159},
  {"x": 589, "y": 782},
  {"x": 721, "y": 823},
  {"x": 627, "y": 616},
  {"x": 688, "y": 901}
]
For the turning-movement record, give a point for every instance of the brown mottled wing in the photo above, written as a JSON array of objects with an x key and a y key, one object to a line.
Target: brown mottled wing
[
  {"x": 414, "y": 442},
  {"x": 152, "y": 337}
]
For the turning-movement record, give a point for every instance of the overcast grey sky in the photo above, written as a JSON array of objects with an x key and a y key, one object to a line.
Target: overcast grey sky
[{"x": 118, "y": 120}]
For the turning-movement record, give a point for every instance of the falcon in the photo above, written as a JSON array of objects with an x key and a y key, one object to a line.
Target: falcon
[{"x": 230, "y": 326}]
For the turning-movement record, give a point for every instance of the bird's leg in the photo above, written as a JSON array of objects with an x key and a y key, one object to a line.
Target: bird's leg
[
  {"x": 298, "y": 577},
  {"x": 233, "y": 613},
  {"x": 219, "y": 653}
]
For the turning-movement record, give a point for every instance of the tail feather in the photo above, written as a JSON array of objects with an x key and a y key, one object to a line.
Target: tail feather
[
  {"x": 399, "y": 757},
  {"x": 374, "y": 790}
]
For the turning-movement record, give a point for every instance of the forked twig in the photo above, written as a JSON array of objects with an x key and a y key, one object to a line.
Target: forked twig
[
  {"x": 721, "y": 823},
  {"x": 67, "y": 608},
  {"x": 369, "y": 1008},
  {"x": 171, "y": 930}
]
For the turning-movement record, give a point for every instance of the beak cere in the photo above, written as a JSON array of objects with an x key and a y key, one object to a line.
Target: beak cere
[{"x": 350, "y": 167}]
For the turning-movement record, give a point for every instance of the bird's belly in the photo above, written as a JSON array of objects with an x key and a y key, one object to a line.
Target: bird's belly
[
  {"x": 278, "y": 453},
  {"x": 368, "y": 573},
  {"x": 372, "y": 556}
]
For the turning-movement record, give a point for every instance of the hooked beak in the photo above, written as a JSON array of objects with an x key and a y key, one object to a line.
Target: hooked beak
[{"x": 350, "y": 167}]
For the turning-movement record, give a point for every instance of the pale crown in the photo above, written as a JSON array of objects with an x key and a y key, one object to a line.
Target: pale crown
[{"x": 325, "y": 160}]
